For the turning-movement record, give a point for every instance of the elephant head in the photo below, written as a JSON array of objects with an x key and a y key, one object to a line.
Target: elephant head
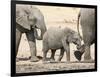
[
  {"x": 74, "y": 38},
  {"x": 29, "y": 17},
  {"x": 40, "y": 24}
]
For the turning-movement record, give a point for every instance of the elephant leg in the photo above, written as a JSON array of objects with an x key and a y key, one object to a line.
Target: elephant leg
[
  {"x": 32, "y": 45},
  {"x": 61, "y": 54},
  {"x": 18, "y": 38},
  {"x": 45, "y": 55},
  {"x": 66, "y": 48},
  {"x": 68, "y": 54},
  {"x": 45, "y": 49},
  {"x": 52, "y": 54},
  {"x": 87, "y": 54}
]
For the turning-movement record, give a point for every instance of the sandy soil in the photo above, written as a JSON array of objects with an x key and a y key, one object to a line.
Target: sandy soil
[
  {"x": 40, "y": 67},
  {"x": 54, "y": 17}
]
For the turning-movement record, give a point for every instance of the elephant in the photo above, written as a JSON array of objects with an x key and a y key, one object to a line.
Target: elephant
[
  {"x": 86, "y": 17},
  {"x": 28, "y": 20},
  {"x": 59, "y": 38}
]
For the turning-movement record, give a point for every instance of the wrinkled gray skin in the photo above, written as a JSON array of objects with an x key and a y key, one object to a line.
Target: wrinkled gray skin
[
  {"x": 57, "y": 38},
  {"x": 28, "y": 19},
  {"x": 87, "y": 21}
]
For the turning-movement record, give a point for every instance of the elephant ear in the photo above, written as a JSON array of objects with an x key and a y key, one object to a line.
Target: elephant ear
[
  {"x": 70, "y": 36},
  {"x": 21, "y": 17}
]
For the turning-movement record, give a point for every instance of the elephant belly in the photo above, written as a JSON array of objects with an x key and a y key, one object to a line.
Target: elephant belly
[
  {"x": 55, "y": 46},
  {"x": 54, "y": 36},
  {"x": 54, "y": 43}
]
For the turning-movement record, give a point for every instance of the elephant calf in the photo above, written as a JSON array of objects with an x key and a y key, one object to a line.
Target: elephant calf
[{"x": 57, "y": 38}]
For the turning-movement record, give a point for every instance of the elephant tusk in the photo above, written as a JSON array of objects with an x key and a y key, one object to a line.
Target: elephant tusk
[{"x": 38, "y": 32}]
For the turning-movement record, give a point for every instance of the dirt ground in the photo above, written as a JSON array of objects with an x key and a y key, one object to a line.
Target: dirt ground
[{"x": 54, "y": 17}]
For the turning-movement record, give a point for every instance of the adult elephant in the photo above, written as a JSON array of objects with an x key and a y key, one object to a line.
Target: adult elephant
[
  {"x": 87, "y": 21},
  {"x": 28, "y": 20}
]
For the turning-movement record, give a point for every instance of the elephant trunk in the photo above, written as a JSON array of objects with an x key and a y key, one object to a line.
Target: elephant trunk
[
  {"x": 43, "y": 30},
  {"x": 78, "y": 46}
]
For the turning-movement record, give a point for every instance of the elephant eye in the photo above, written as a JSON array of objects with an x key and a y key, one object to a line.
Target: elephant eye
[
  {"x": 76, "y": 39},
  {"x": 30, "y": 18},
  {"x": 34, "y": 20}
]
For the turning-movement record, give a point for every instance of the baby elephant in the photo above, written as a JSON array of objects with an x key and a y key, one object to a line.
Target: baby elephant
[{"x": 57, "y": 38}]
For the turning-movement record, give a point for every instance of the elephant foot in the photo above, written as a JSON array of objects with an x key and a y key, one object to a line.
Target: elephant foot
[
  {"x": 78, "y": 55},
  {"x": 34, "y": 59},
  {"x": 52, "y": 60},
  {"x": 46, "y": 60},
  {"x": 89, "y": 60},
  {"x": 58, "y": 60},
  {"x": 17, "y": 60},
  {"x": 87, "y": 57}
]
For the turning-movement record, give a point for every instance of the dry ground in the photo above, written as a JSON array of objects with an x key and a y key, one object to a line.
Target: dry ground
[{"x": 54, "y": 17}]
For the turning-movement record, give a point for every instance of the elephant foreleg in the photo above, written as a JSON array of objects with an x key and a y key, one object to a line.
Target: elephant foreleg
[
  {"x": 32, "y": 45},
  {"x": 45, "y": 54},
  {"x": 61, "y": 54},
  {"x": 18, "y": 38},
  {"x": 45, "y": 49},
  {"x": 66, "y": 48}
]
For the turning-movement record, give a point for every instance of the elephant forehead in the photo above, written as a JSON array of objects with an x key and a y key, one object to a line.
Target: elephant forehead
[
  {"x": 22, "y": 6},
  {"x": 21, "y": 11},
  {"x": 37, "y": 13},
  {"x": 28, "y": 10}
]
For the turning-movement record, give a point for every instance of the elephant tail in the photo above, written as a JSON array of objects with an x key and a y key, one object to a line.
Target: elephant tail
[{"x": 78, "y": 26}]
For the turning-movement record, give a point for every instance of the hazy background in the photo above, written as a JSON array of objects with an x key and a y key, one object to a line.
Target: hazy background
[{"x": 54, "y": 17}]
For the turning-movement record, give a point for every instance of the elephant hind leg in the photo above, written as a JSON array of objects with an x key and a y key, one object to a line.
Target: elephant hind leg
[
  {"x": 52, "y": 55},
  {"x": 87, "y": 54}
]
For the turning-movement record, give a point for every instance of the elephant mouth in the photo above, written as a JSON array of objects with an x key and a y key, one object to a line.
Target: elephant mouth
[
  {"x": 78, "y": 47},
  {"x": 37, "y": 29}
]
